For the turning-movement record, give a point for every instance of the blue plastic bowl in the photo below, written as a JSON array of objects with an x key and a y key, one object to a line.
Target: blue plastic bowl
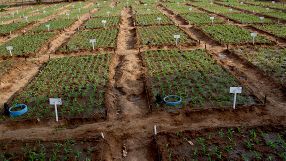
[
  {"x": 171, "y": 103},
  {"x": 20, "y": 112}
]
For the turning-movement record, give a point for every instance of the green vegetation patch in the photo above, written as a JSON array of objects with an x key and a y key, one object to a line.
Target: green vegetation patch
[
  {"x": 231, "y": 34},
  {"x": 270, "y": 60},
  {"x": 152, "y": 19},
  {"x": 26, "y": 44},
  {"x": 80, "y": 82},
  {"x": 105, "y": 38},
  {"x": 194, "y": 76},
  {"x": 162, "y": 35}
]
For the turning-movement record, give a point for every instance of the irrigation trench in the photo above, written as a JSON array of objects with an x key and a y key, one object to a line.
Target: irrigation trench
[{"x": 129, "y": 124}]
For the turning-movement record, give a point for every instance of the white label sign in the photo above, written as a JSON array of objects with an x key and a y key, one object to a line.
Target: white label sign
[
  {"x": 159, "y": 18},
  {"x": 190, "y": 9},
  {"x": 235, "y": 89},
  {"x": 55, "y": 101},
  {"x": 253, "y": 34},
  {"x": 9, "y": 47},
  {"x": 261, "y": 18},
  {"x": 103, "y": 21},
  {"x": 92, "y": 40},
  {"x": 177, "y": 36}
]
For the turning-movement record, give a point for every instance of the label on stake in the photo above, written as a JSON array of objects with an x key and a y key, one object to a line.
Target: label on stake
[
  {"x": 92, "y": 41},
  {"x": 235, "y": 90},
  {"x": 9, "y": 48},
  {"x": 56, "y": 102},
  {"x": 177, "y": 36}
]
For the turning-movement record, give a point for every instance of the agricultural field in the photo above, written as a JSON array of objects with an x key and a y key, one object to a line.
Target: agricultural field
[
  {"x": 277, "y": 30},
  {"x": 235, "y": 143},
  {"x": 247, "y": 18},
  {"x": 192, "y": 75},
  {"x": 211, "y": 7},
  {"x": 55, "y": 150},
  {"x": 26, "y": 44},
  {"x": 270, "y": 60},
  {"x": 230, "y": 34},
  {"x": 179, "y": 9},
  {"x": 251, "y": 8},
  {"x": 102, "y": 22},
  {"x": 201, "y": 19},
  {"x": 105, "y": 38},
  {"x": 81, "y": 87},
  {"x": 148, "y": 80},
  {"x": 54, "y": 25},
  {"x": 152, "y": 19},
  {"x": 162, "y": 35}
]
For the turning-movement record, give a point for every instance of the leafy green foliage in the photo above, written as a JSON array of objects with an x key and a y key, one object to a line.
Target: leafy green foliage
[
  {"x": 259, "y": 143},
  {"x": 251, "y": 8},
  {"x": 194, "y": 76},
  {"x": 230, "y": 34},
  {"x": 270, "y": 60},
  {"x": 53, "y": 150},
  {"x": 148, "y": 9},
  {"x": 277, "y": 14},
  {"x": 162, "y": 35},
  {"x": 213, "y": 7},
  {"x": 97, "y": 22},
  {"x": 179, "y": 8},
  {"x": 200, "y": 18},
  {"x": 7, "y": 28},
  {"x": 277, "y": 30},
  {"x": 247, "y": 18},
  {"x": 57, "y": 24},
  {"x": 26, "y": 44},
  {"x": 105, "y": 38},
  {"x": 151, "y": 19},
  {"x": 79, "y": 81}
]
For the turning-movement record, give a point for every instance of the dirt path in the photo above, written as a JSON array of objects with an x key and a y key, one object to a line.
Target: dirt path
[{"x": 127, "y": 92}]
